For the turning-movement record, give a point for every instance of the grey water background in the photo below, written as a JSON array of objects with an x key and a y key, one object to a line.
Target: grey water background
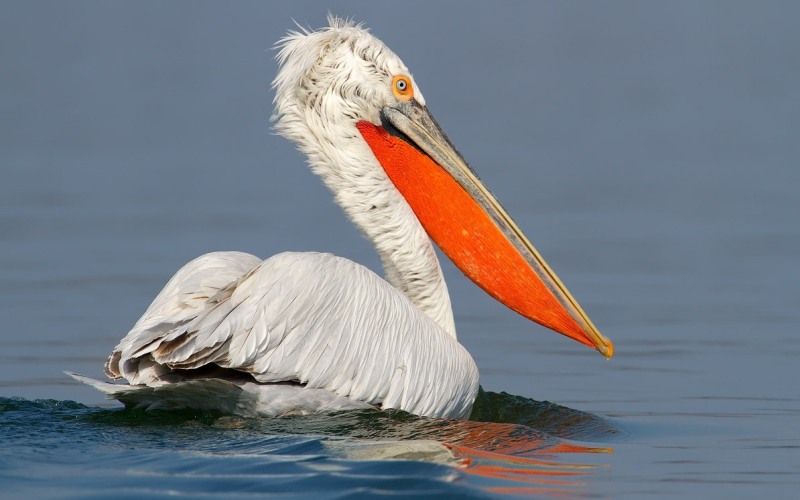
[{"x": 649, "y": 150}]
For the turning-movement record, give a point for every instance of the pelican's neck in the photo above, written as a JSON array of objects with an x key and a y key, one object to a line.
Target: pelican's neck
[
  {"x": 364, "y": 191},
  {"x": 328, "y": 80},
  {"x": 408, "y": 257}
]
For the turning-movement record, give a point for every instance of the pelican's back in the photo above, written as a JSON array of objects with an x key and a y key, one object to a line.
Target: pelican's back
[{"x": 311, "y": 319}]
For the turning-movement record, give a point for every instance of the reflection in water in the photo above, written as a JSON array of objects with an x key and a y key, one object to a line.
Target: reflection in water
[
  {"x": 545, "y": 416},
  {"x": 537, "y": 476},
  {"x": 511, "y": 445},
  {"x": 189, "y": 450}
]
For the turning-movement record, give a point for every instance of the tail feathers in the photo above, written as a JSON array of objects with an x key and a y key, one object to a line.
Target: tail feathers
[
  {"x": 104, "y": 387},
  {"x": 247, "y": 399},
  {"x": 201, "y": 394}
]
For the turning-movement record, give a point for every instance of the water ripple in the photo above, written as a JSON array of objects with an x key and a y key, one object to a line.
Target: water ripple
[{"x": 92, "y": 452}]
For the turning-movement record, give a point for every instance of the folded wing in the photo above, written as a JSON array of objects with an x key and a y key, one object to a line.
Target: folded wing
[{"x": 313, "y": 319}]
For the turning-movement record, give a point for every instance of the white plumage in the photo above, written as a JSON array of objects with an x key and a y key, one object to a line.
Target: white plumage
[
  {"x": 310, "y": 319},
  {"x": 305, "y": 332}
]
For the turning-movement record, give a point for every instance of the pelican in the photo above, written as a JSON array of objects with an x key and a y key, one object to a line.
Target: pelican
[{"x": 312, "y": 332}]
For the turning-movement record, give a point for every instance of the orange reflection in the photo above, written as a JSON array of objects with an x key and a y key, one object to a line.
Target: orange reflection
[{"x": 500, "y": 454}]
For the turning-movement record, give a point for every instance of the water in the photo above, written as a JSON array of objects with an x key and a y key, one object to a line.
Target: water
[{"x": 649, "y": 151}]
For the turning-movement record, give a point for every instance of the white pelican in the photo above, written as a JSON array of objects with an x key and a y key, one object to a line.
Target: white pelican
[{"x": 305, "y": 332}]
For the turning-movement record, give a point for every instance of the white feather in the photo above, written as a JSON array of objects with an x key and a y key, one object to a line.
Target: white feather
[
  {"x": 315, "y": 319},
  {"x": 307, "y": 323}
]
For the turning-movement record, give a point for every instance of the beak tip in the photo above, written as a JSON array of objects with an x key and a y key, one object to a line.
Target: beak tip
[{"x": 606, "y": 349}]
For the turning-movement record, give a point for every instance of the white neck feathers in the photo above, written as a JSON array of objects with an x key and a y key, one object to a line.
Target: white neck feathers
[{"x": 317, "y": 105}]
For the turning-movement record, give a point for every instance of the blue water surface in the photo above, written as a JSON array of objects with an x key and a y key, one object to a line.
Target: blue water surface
[
  {"x": 63, "y": 448},
  {"x": 649, "y": 151}
]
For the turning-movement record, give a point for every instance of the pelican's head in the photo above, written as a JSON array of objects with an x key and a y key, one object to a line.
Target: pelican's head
[
  {"x": 335, "y": 77},
  {"x": 354, "y": 109}
]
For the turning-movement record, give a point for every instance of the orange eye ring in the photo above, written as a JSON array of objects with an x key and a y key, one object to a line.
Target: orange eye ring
[{"x": 402, "y": 88}]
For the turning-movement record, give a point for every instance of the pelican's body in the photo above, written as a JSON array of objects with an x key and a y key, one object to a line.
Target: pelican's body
[{"x": 306, "y": 332}]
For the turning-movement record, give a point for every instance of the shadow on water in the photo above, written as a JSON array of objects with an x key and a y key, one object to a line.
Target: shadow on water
[
  {"x": 511, "y": 444},
  {"x": 495, "y": 416},
  {"x": 553, "y": 419}
]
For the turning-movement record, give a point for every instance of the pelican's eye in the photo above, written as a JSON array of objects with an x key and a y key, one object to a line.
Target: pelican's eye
[{"x": 401, "y": 86}]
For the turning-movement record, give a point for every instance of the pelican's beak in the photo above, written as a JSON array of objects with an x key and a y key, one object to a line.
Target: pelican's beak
[{"x": 470, "y": 225}]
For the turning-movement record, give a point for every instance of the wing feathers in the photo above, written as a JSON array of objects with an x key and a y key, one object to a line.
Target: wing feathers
[{"x": 314, "y": 318}]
